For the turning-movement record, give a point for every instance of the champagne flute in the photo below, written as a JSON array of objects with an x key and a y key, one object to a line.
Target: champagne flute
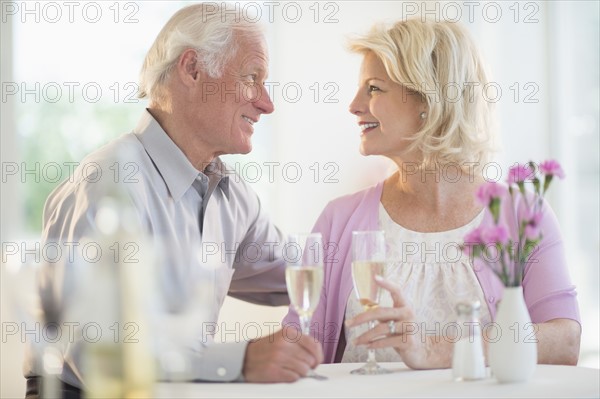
[
  {"x": 368, "y": 261},
  {"x": 304, "y": 278}
]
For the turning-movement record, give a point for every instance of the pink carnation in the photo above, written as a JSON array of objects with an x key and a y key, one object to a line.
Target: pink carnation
[
  {"x": 519, "y": 173},
  {"x": 532, "y": 228},
  {"x": 472, "y": 238},
  {"x": 494, "y": 234},
  {"x": 552, "y": 167},
  {"x": 488, "y": 191}
]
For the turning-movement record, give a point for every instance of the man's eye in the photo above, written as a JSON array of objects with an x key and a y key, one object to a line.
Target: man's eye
[{"x": 251, "y": 78}]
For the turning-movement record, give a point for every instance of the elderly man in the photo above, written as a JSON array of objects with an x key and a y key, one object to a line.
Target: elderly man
[{"x": 204, "y": 77}]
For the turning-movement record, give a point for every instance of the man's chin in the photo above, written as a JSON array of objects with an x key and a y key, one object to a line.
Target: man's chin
[
  {"x": 243, "y": 149},
  {"x": 246, "y": 148}
]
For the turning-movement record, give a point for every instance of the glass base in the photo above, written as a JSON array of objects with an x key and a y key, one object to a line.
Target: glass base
[
  {"x": 312, "y": 374},
  {"x": 371, "y": 368}
]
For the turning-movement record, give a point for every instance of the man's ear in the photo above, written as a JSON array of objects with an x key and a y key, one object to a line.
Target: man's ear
[{"x": 187, "y": 67}]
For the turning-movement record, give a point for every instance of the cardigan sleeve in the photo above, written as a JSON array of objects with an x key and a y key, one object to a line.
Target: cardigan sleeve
[{"x": 549, "y": 293}]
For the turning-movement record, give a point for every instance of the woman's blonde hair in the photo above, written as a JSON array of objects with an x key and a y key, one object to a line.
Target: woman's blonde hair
[
  {"x": 440, "y": 61},
  {"x": 205, "y": 27}
]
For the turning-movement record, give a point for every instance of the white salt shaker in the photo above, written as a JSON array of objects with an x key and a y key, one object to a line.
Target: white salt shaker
[{"x": 468, "y": 362}]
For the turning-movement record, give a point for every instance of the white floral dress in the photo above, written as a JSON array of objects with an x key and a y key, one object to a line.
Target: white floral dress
[{"x": 434, "y": 275}]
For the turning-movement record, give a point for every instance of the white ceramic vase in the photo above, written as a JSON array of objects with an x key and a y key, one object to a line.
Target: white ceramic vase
[{"x": 512, "y": 339}]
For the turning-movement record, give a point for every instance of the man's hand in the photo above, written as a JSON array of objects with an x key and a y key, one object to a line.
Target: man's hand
[{"x": 284, "y": 356}]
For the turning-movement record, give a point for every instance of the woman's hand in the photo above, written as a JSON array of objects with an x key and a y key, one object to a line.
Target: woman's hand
[{"x": 397, "y": 328}]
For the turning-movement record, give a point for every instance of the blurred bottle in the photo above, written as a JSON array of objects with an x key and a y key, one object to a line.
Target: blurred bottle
[
  {"x": 467, "y": 361},
  {"x": 120, "y": 363},
  {"x": 25, "y": 277}
]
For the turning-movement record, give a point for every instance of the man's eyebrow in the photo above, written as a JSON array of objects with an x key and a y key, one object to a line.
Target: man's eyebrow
[
  {"x": 262, "y": 70},
  {"x": 255, "y": 69}
]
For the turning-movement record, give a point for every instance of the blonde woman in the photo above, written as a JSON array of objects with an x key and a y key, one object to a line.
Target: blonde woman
[{"x": 420, "y": 104}]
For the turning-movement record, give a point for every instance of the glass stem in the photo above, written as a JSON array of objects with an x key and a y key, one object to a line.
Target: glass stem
[
  {"x": 371, "y": 352},
  {"x": 305, "y": 324}
]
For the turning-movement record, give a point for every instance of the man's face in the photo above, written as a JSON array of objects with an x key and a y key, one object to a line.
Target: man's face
[{"x": 228, "y": 107}]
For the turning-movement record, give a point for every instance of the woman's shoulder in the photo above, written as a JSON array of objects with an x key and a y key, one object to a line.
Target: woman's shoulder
[
  {"x": 520, "y": 203},
  {"x": 350, "y": 202}
]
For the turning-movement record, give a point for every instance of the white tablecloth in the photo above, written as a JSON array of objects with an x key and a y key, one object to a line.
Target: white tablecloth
[{"x": 548, "y": 381}]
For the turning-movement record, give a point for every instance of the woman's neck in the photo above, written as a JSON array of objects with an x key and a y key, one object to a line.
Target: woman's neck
[{"x": 430, "y": 207}]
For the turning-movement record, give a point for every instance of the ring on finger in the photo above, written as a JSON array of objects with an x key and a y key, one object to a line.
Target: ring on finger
[{"x": 392, "y": 327}]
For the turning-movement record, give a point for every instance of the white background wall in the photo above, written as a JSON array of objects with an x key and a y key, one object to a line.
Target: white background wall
[{"x": 309, "y": 131}]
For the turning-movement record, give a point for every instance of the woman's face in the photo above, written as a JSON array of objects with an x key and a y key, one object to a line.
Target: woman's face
[{"x": 387, "y": 112}]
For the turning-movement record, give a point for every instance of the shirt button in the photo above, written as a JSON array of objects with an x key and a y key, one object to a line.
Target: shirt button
[
  {"x": 221, "y": 371},
  {"x": 491, "y": 299}
]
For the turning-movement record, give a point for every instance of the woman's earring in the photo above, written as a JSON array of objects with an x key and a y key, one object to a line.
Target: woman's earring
[{"x": 423, "y": 115}]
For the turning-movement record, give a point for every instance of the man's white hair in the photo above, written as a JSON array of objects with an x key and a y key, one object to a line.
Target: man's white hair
[{"x": 204, "y": 27}]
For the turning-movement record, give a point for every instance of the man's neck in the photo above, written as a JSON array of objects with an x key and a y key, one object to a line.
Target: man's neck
[{"x": 183, "y": 137}]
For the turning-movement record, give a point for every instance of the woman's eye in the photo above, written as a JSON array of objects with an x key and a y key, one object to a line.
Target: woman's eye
[{"x": 373, "y": 88}]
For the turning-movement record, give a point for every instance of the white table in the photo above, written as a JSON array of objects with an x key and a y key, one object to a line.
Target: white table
[{"x": 548, "y": 381}]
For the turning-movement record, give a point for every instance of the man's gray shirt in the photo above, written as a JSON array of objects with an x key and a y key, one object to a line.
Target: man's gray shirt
[{"x": 211, "y": 219}]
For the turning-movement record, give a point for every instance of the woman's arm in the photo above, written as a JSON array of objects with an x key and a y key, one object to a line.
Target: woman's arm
[
  {"x": 558, "y": 342},
  {"x": 558, "y": 339}
]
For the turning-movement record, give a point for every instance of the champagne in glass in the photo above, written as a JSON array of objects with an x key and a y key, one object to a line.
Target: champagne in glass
[
  {"x": 363, "y": 274},
  {"x": 304, "y": 278},
  {"x": 368, "y": 261},
  {"x": 304, "y": 288}
]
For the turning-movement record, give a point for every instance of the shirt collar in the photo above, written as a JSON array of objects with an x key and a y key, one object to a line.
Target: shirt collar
[
  {"x": 217, "y": 172},
  {"x": 175, "y": 169}
]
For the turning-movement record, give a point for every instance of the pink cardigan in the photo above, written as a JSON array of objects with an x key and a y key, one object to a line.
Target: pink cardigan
[{"x": 548, "y": 293}]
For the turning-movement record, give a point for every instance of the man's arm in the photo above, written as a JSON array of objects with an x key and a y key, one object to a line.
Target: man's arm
[
  {"x": 221, "y": 362},
  {"x": 259, "y": 264}
]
